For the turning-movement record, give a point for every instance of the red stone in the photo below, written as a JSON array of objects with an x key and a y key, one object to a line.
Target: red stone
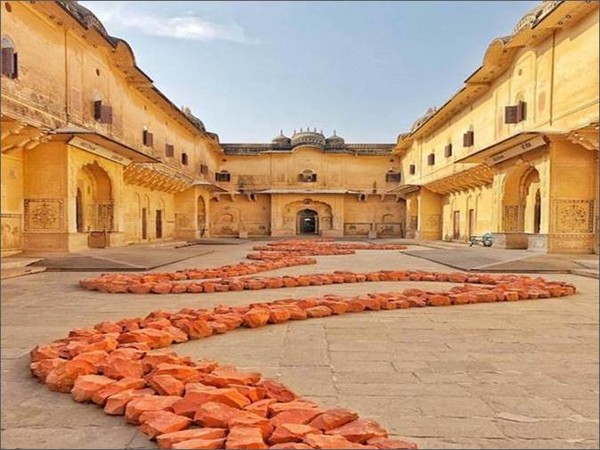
[
  {"x": 221, "y": 377},
  {"x": 279, "y": 315},
  {"x": 87, "y": 385},
  {"x": 278, "y": 391},
  {"x": 324, "y": 441},
  {"x": 256, "y": 317},
  {"x": 62, "y": 377},
  {"x": 245, "y": 437},
  {"x": 291, "y": 445},
  {"x": 318, "y": 311},
  {"x": 333, "y": 418},
  {"x": 119, "y": 368},
  {"x": 290, "y": 432},
  {"x": 200, "y": 443},
  {"x": 359, "y": 431},
  {"x": 140, "y": 405},
  {"x": 261, "y": 407},
  {"x": 208, "y": 434},
  {"x": 295, "y": 416},
  {"x": 155, "y": 423},
  {"x": 195, "y": 329},
  {"x": 116, "y": 403},
  {"x": 101, "y": 395},
  {"x": 166, "y": 385},
  {"x": 43, "y": 367}
]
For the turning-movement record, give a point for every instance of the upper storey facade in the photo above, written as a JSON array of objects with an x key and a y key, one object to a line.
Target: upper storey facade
[
  {"x": 542, "y": 78},
  {"x": 309, "y": 161},
  {"x": 68, "y": 76}
]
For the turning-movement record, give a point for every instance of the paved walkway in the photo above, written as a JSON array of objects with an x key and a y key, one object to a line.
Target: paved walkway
[{"x": 502, "y": 375}]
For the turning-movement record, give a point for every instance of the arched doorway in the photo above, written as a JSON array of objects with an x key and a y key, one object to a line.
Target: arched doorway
[
  {"x": 522, "y": 201},
  {"x": 308, "y": 222},
  {"x": 79, "y": 211},
  {"x": 537, "y": 213},
  {"x": 201, "y": 215},
  {"x": 93, "y": 201}
]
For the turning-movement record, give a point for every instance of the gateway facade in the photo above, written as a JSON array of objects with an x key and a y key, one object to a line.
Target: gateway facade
[{"x": 94, "y": 155}]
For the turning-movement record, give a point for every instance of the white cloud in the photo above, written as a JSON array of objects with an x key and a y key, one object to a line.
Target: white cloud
[{"x": 190, "y": 27}]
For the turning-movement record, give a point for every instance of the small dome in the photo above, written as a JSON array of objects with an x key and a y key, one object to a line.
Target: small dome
[
  {"x": 421, "y": 120},
  {"x": 312, "y": 138},
  {"x": 335, "y": 140},
  {"x": 281, "y": 140},
  {"x": 192, "y": 118}
]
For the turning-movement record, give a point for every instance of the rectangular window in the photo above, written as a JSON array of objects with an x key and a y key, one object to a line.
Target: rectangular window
[
  {"x": 203, "y": 169},
  {"x": 412, "y": 169},
  {"x": 184, "y": 159},
  {"x": 148, "y": 138},
  {"x": 102, "y": 113},
  {"x": 169, "y": 150},
  {"x": 468, "y": 139},
  {"x": 223, "y": 176},
  {"x": 515, "y": 113},
  {"x": 393, "y": 177},
  {"x": 448, "y": 150},
  {"x": 9, "y": 63},
  {"x": 431, "y": 159}
]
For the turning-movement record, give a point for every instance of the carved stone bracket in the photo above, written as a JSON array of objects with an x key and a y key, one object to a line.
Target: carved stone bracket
[{"x": 480, "y": 175}]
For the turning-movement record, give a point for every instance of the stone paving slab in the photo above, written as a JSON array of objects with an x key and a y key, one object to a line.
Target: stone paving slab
[
  {"x": 120, "y": 260},
  {"x": 490, "y": 259},
  {"x": 502, "y": 375}
]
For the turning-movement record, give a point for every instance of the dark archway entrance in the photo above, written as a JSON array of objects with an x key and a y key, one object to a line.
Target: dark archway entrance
[{"x": 308, "y": 222}]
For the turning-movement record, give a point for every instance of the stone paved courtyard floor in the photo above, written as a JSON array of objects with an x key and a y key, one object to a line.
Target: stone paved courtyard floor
[{"x": 501, "y": 375}]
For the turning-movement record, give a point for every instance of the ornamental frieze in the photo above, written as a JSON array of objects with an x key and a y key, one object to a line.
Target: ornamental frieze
[
  {"x": 573, "y": 216},
  {"x": 44, "y": 214}
]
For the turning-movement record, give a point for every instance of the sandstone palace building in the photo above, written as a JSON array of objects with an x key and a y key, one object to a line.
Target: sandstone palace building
[{"x": 94, "y": 155}]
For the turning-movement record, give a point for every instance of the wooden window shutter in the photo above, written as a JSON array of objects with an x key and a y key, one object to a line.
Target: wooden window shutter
[
  {"x": 521, "y": 111},
  {"x": 431, "y": 159},
  {"x": 448, "y": 150},
  {"x": 109, "y": 115},
  {"x": 169, "y": 150},
  {"x": 412, "y": 169},
  {"x": 15, "y": 69},
  {"x": 150, "y": 140},
  {"x": 98, "y": 110},
  {"x": 511, "y": 114},
  {"x": 468, "y": 139},
  {"x": 8, "y": 61},
  {"x": 105, "y": 114}
]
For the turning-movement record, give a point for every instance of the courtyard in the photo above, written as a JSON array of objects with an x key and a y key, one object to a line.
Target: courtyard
[{"x": 518, "y": 374}]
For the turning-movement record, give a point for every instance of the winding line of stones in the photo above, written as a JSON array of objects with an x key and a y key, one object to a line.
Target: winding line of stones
[
  {"x": 274, "y": 256},
  {"x": 125, "y": 367},
  {"x": 198, "y": 404}
]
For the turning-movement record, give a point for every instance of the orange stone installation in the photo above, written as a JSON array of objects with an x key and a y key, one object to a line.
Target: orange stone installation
[{"x": 125, "y": 366}]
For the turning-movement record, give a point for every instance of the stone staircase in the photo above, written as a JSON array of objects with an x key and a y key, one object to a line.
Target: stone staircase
[{"x": 12, "y": 267}]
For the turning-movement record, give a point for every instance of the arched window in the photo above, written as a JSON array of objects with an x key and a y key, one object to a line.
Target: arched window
[{"x": 10, "y": 67}]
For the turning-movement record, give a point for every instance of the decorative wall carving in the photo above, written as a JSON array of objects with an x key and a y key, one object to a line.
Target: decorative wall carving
[
  {"x": 105, "y": 217},
  {"x": 44, "y": 214},
  {"x": 357, "y": 229},
  {"x": 511, "y": 220},
  {"x": 573, "y": 216},
  {"x": 11, "y": 231}
]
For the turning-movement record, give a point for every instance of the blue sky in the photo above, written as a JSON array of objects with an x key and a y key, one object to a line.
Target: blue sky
[{"x": 366, "y": 69}]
